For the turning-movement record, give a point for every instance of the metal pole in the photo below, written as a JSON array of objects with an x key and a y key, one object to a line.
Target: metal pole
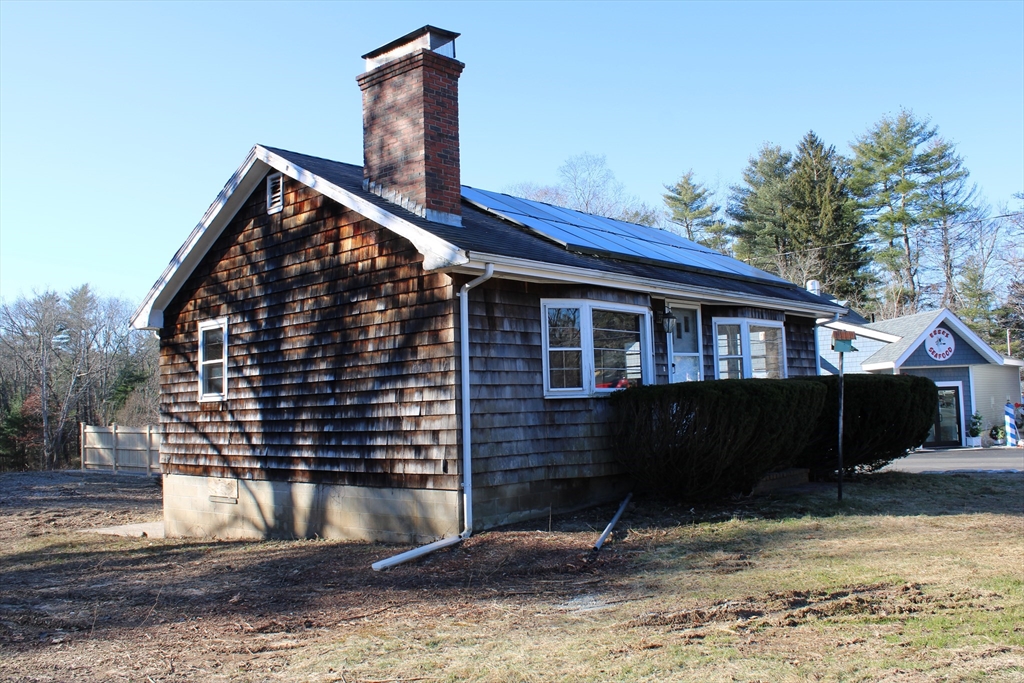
[{"x": 840, "y": 426}]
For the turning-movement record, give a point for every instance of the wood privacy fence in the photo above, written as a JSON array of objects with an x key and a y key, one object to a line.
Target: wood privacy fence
[{"x": 133, "y": 450}]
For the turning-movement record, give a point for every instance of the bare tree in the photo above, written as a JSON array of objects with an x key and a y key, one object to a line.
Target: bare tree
[
  {"x": 588, "y": 185},
  {"x": 76, "y": 357}
]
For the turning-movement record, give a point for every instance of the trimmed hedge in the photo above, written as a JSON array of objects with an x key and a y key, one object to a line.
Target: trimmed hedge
[
  {"x": 884, "y": 416},
  {"x": 702, "y": 440}
]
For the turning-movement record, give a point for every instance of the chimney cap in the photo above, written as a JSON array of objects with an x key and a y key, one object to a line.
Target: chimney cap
[{"x": 428, "y": 37}]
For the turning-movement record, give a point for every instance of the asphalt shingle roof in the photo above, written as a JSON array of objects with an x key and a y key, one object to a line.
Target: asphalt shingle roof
[{"x": 484, "y": 233}]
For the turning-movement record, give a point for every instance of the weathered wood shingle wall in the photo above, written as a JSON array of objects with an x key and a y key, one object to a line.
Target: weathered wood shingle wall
[
  {"x": 531, "y": 453},
  {"x": 341, "y": 357}
]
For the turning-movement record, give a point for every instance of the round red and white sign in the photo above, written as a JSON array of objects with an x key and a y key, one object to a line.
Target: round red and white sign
[{"x": 940, "y": 344}]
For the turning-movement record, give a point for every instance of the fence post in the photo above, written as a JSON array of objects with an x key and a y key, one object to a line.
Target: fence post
[
  {"x": 81, "y": 444},
  {"x": 149, "y": 450},
  {"x": 114, "y": 459}
]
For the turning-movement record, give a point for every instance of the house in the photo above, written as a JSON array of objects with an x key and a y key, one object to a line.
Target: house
[
  {"x": 381, "y": 352},
  {"x": 971, "y": 376}
]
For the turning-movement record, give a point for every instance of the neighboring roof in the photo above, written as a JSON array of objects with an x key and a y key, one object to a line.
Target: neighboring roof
[
  {"x": 912, "y": 330},
  {"x": 484, "y": 237}
]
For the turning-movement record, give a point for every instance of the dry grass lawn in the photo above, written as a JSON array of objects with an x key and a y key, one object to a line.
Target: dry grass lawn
[{"x": 913, "y": 578}]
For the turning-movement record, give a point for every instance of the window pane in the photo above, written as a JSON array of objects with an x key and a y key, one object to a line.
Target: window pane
[
  {"x": 617, "y": 357},
  {"x": 566, "y": 369},
  {"x": 685, "y": 368},
  {"x": 729, "y": 340},
  {"x": 213, "y": 344},
  {"x": 684, "y": 336},
  {"x": 766, "y": 352},
  {"x": 730, "y": 368},
  {"x": 213, "y": 378},
  {"x": 564, "y": 328}
]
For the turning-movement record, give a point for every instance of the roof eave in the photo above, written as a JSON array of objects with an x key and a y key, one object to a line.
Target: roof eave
[
  {"x": 537, "y": 271},
  {"x": 437, "y": 253}
]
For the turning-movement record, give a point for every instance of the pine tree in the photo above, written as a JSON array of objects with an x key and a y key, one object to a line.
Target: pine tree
[
  {"x": 762, "y": 209},
  {"x": 892, "y": 169},
  {"x": 692, "y": 213},
  {"x": 950, "y": 203},
  {"x": 825, "y": 219}
]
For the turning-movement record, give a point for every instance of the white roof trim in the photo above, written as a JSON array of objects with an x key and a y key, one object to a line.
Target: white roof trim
[
  {"x": 945, "y": 316},
  {"x": 862, "y": 331},
  {"x": 437, "y": 253},
  {"x": 869, "y": 367},
  {"x": 524, "y": 269}
]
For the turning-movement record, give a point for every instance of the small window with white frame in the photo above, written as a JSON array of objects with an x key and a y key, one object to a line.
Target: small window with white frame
[
  {"x": 275, "y": 192},
  {"x": 592, "y": 347},
  {"x": 213, "y": 360},
  {"x": 749, "y": 349}
]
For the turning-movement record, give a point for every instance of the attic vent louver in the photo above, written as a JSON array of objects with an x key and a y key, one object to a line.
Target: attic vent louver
[{"x": 275, "y": 193}]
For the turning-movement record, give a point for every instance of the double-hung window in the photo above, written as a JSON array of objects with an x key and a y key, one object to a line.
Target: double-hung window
[
  {"x": 213, "y": 360},
  {"x": 749, "y": 348},
  {"x": 592, "y": 347}
]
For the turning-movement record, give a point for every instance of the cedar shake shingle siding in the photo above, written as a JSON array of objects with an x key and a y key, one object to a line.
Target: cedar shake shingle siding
[
  {"x": 341, "y": 356},
  {"x": 530, "y": 452}
]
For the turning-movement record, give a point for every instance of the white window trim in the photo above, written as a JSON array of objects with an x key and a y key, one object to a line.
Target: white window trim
[
  {"x": 745, "y": 324},
  {"x": 700, "y": 341},
  {"x": 587, "y": 307},
  {"x": 220, "y": 324},
  {"x": 272, "y": 180}
]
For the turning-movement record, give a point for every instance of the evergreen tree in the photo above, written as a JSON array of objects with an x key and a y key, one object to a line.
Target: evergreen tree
[
  {"x": 825, "y": 219},
  {"x": 761, "y": 209},
  {"x": 692, "y": 212},
  {"x": 892, "y": 169},
  {"x": 950, "y": 204}
]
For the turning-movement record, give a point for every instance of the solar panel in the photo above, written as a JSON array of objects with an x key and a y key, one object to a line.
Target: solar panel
[{"x": 587, "y": 233}]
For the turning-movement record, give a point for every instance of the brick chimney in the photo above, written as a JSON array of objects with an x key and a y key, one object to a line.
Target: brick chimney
[{"x": 411, "y": 124}]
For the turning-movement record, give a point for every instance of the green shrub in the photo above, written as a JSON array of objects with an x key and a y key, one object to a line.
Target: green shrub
[
  {"x": 702, "y": 440},
  {"x": 884, "y": 416}
]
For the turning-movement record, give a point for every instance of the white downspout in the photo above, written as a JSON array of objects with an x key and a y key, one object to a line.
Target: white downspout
[{"x": 467, "y": 426}]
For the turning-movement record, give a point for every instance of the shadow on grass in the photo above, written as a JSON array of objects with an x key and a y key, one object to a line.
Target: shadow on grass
[{"x": 101, "y": 586}]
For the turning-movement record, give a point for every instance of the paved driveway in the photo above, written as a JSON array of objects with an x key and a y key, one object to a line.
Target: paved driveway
[{"x": 946, "y": 460}]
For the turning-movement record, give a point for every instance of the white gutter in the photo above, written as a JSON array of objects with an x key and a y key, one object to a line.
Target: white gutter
[
  {"x": 533, "y": 271},
  {"x": 467, "y": 443}
]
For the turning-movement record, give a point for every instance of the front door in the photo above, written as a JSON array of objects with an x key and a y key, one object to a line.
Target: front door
[{"x": 946, "y": 430}]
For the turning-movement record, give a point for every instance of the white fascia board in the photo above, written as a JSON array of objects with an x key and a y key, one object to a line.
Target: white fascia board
[
  {"x": 945, "y": 316},
  {"x": 1013, "y": 361},
  {"x": 887, "y": 365},
  {"x": 861, "y": 331},
  {"x": 437, "y": 253},
  {"x": 535, "y": 271},
  {"x": 150, "y": 314}
]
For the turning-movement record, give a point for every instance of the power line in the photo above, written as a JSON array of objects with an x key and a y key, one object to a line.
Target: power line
[{"x": 873, "y": 240}]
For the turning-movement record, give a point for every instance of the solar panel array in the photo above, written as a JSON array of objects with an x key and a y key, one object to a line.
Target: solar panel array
[{"x": 587, "y": 233}]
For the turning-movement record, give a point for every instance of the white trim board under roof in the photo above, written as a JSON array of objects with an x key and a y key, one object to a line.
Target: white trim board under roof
[{"x": 860, "y": 330}]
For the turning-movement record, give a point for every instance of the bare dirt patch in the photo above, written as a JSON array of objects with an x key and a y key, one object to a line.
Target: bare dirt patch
[{"x": 520, "y": 603}]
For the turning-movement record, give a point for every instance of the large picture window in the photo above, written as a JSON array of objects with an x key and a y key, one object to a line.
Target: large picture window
[
  {"x": 749, "y": 348},
  {"x": 594, "y": 347},
  {"x": 213, "y": 360}
]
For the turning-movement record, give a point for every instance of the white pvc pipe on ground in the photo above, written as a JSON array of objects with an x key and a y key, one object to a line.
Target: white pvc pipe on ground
[{"x": 611, "y": 524}]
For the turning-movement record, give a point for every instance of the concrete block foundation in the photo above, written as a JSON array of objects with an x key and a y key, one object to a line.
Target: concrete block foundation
[{"x": 213, "y": 507}]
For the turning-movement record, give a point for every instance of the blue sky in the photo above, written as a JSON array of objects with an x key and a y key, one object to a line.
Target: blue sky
[{"x": 120, "y": 122}]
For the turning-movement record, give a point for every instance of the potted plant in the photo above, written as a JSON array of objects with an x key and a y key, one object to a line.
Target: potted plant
[
  {"x": 974, "y": 431},
  {"x": 997, "y": 434}
]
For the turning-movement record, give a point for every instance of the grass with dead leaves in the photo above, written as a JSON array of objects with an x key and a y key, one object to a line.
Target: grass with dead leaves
[{"x": 912, "y": 578}]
